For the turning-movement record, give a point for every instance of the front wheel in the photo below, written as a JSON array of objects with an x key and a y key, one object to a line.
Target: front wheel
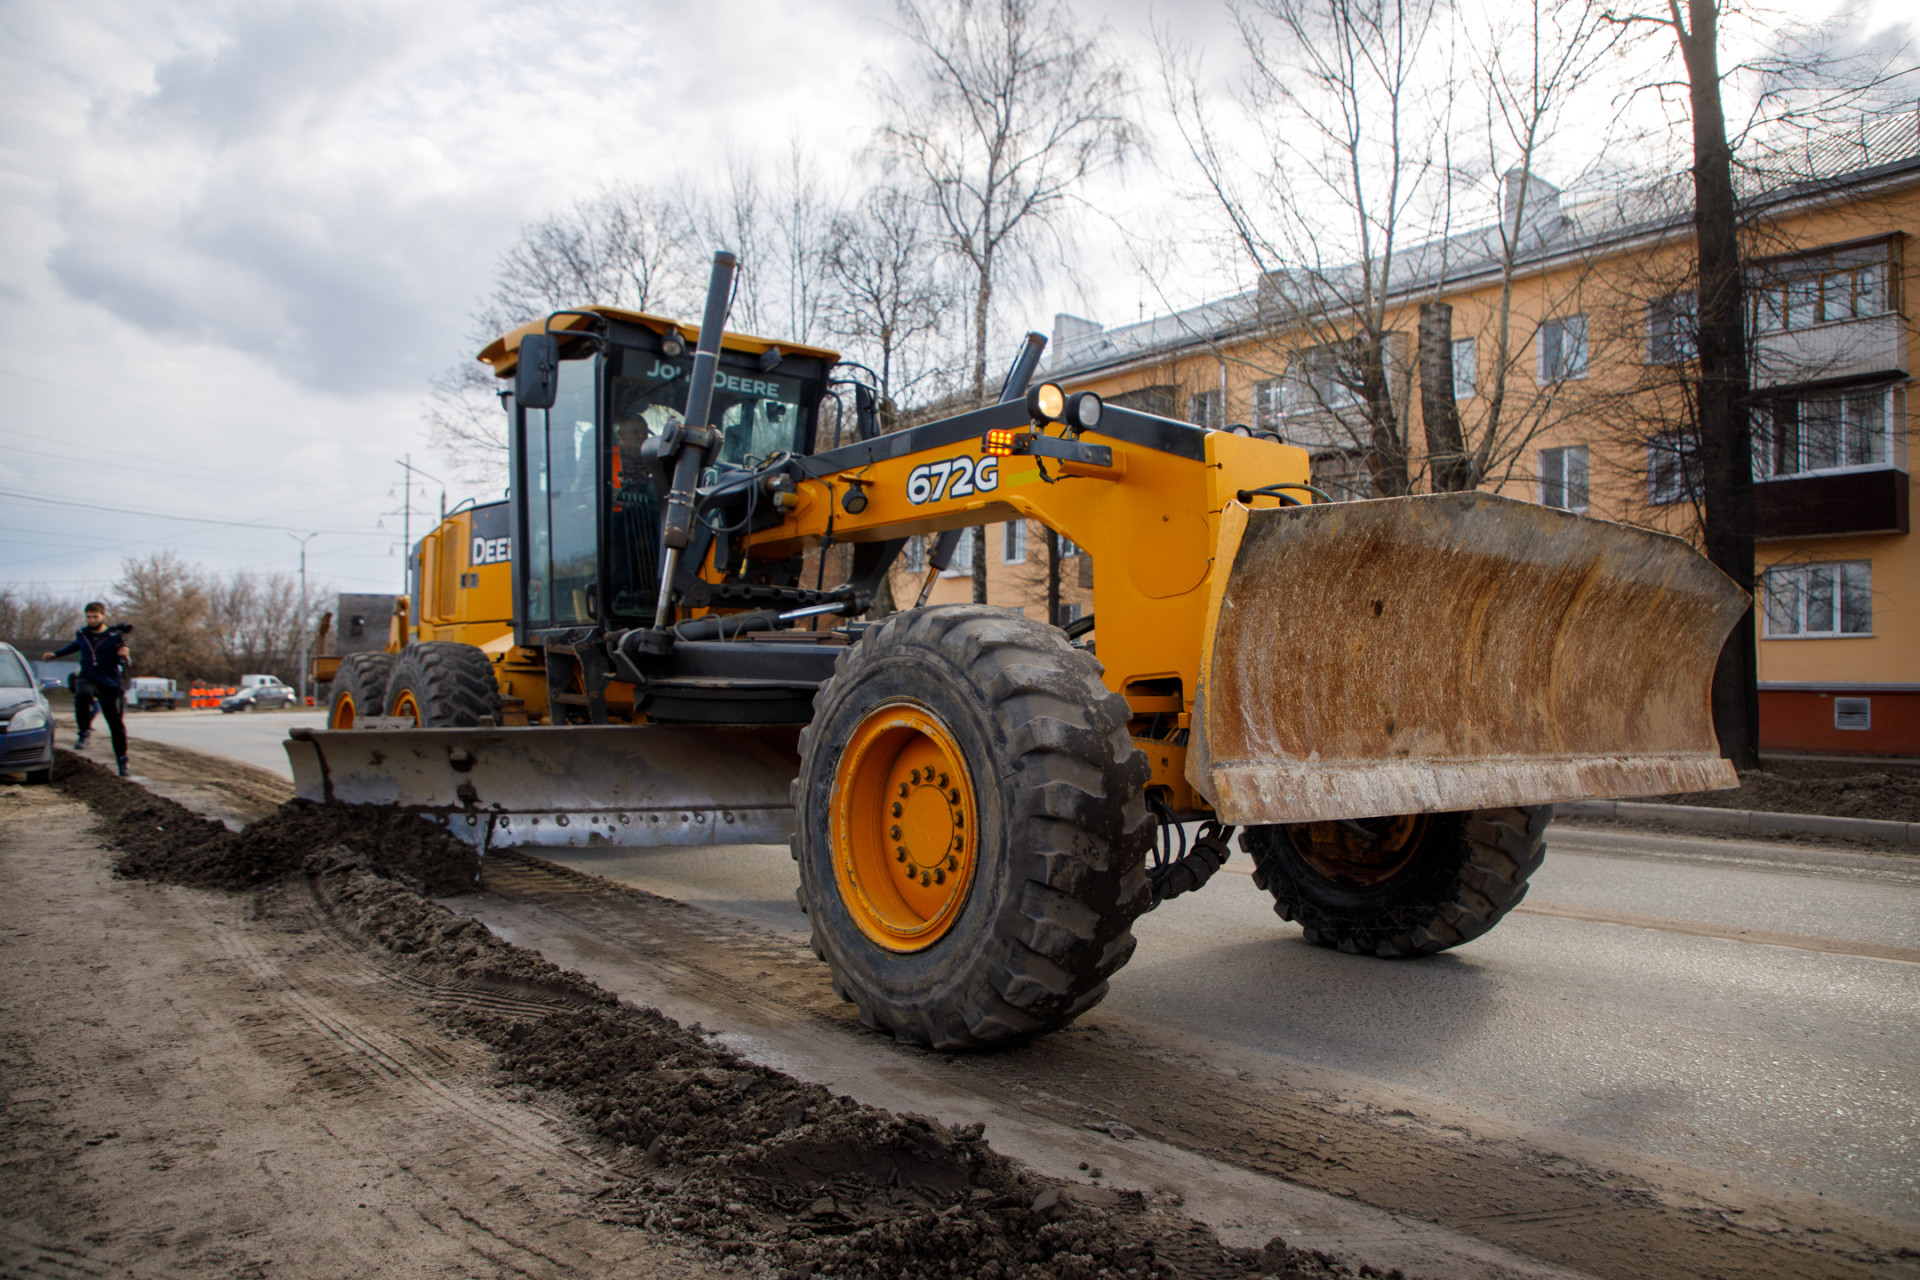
[
  {"x": 972, "y": 828},
  {"x": 443, "y": 684},
  {"x": 1401, "y": 886},
  {"x": 359, "y": 689}
]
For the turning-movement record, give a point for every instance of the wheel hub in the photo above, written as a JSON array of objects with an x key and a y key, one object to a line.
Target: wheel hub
[
  {"x": 408, "y": 707},
  {"x": 1363, "y": 852},
  {"x": 904, "y": 828}
]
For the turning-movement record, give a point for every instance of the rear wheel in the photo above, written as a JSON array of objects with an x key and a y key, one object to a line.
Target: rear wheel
[
  {"x": 972, "y": 828},
  {"x": 1402, "y": 886},
  {"x": 442, "y": 684},
  {"x": 359, "y": 689}
]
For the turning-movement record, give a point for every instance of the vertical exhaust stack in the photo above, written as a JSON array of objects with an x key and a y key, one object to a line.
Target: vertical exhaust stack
[
  {"x": 697, "y": 440},
  {"x": 1453, "y": 652}
]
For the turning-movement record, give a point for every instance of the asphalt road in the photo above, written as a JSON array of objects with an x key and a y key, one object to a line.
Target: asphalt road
[
  {"x": 250, "y": 736},
  {"x": 1747, "y": 1010},
  {"x": 1780, "y": 1056}
]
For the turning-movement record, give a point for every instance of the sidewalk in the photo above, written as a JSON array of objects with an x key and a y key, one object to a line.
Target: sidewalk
[{"x": 1745, "y": 821}]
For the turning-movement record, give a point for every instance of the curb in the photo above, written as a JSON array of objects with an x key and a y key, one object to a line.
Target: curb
[{"x": 1744, "y": 821}]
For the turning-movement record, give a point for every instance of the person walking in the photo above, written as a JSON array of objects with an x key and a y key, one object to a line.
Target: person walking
[{"x": 103, "y": 661}]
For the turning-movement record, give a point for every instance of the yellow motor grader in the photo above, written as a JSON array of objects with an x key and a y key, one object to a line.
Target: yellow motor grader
[{"x": 1385, "y": 697}]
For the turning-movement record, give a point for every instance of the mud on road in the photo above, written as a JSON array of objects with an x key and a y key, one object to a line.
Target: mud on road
[{"x": 315, "y": 1069}]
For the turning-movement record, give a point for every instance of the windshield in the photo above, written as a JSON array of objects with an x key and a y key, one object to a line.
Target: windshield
[
  {"x": 759, "y": 414},
  {"x": 13, "y": 672}
]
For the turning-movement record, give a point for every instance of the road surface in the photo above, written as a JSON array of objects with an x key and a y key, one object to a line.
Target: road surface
[{"x": 1745, "y": 1011}]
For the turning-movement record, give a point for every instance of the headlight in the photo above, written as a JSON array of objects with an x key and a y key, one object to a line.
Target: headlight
[
  {"x": 31, "y": 718},
  {"x": 1046, "y": 403}
]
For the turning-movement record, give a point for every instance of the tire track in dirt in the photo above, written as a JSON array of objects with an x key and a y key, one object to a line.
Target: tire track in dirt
[{"x": 1538, "y": 1203}]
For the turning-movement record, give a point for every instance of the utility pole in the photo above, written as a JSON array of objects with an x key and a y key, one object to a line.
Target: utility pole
[
  {"x": 406, "y": 526},
  {"x": 304, "y": 656}
]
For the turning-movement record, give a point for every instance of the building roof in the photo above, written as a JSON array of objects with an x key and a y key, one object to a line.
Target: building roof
[{"x": 1874, "y": 147}]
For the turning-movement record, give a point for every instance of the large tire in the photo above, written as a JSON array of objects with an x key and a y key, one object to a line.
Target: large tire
[
  {"x": 443, "y": 684},
  {"x": 1451, "y": 877},
  {"x": 359, "y": 689},
  {"x": 1047, "y": 786}
]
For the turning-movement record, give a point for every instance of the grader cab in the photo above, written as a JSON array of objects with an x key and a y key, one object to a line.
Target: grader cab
[{"x": 1386, "y": 697}]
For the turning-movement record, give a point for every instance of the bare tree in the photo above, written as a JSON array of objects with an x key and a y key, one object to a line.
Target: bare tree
[
  {"x": 622, "y": 246},
  {"x": 34, "y": 613},
  {"x": 170, "y": 605},
  {"x": 889, "y": 292},
  {"x": 1013, "y": 107},
  {"x": 1363, "y": 198}
]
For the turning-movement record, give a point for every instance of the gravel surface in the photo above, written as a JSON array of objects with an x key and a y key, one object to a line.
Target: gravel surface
[{"x": 746, "y": 1161}]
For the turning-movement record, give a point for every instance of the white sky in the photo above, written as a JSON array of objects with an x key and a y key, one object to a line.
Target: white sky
[{"x": 237, "y": 239}]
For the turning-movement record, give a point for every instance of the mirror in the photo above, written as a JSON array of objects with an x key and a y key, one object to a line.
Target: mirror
[{"x": 536, "y": 377}]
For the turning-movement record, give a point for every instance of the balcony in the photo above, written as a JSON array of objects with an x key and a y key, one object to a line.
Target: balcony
[
  {"x": 1832, "y": 505},
  {"x": 1872, "y": 346}
]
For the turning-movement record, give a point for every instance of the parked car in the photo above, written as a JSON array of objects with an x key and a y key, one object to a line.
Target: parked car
[
  {"x": 26, "y": 721},
  {"x": 259, "y": 697},
  {"x": 247, "y": 682},
  {"x": 152, "y": 692}
]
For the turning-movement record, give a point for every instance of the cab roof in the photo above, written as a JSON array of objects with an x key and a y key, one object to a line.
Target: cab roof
[{"x": 503, "y": 353}]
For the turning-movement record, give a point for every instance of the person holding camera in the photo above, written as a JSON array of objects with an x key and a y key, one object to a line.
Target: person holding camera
[{"x": 103, "y": 659}]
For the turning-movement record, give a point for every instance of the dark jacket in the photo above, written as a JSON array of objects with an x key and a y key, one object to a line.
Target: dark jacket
[{"x": 103, "y": 655}]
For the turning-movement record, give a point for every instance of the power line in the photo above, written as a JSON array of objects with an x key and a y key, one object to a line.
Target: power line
[{"x": 168, "y": 515}]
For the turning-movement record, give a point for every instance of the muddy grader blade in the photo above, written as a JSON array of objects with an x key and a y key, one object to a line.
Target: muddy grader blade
[
  {"x": 1453, "y": 652},
  {"x": 575, "y": 786}
]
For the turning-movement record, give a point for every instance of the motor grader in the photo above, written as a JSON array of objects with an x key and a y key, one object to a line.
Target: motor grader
[{"x": 1385, "y": 698}]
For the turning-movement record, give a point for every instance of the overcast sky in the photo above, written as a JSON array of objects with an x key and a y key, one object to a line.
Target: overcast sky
[{"x": 237, "y": 239}]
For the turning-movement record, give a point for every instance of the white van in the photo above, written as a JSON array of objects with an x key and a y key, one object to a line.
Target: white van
[{"x": 247, "y": 682}]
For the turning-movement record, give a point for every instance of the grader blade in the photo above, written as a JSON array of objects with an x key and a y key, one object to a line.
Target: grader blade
[
  {"x": 1453, "y": 652},
  {"x": 574, "y": 786}
]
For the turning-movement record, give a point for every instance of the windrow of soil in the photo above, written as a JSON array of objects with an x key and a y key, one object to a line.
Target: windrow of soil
[
  {"x": 1884, "y": 792},
  {"x": 742, "y": 1159}
]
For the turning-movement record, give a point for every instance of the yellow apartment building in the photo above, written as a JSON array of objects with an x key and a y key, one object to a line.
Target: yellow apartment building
[{"x": 1571, "y": 346}]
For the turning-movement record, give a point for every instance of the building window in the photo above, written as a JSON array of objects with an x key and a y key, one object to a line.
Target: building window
[
  {"x": 1067, "y": 546},
  {"x": 1853, "y": 713},
  {"x": 1071, "y": 613},
  {"x": 1563, "y": 478},
  {"x": 1563, "y": 349},
  {"x": 1206, "y": 410},
  {"x": 1327, "y": 377},
  {"x": 1830, "y": 599},
  {"x": 1463, "y": 369},
  {"x": 1821, "y": 288},
  {"x": 914, "y": 555},
  {"x": 1673, "y": 469},
  {"x": 1342, "y": 476},
  {"x": 1013, "y": 542},
  {"x": 963, "y": 554},
  {"x": 1833, "y": 431},
  {"x": 1673, "y": 328},
  {"x": 1269, "y": 405}
]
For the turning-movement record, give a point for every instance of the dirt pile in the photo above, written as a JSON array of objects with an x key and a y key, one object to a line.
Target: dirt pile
[
  {"x": 743, "y": 1159},
  {"x": 1889, "y": 793},
  {"x": 157, "y": 839}
]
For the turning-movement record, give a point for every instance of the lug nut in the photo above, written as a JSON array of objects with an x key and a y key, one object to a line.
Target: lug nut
[
  {"x": 900, "y": 854},
  {"x": 953, "y": 863},
  {"x": 953, "y": 797},
  {"x": 897, "y": 809},
  {"x": 915, "y": 776},
  {"x": 943, "y": 779},
  {"x": 939, "y": 875},
  {"x": 903, "y": 791},
  {"x": 925, "y": 879}
]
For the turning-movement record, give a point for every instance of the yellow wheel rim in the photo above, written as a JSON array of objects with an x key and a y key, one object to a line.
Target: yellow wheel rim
[
  {"x": 343, "y": 713},
  {"x": 1363, "y": 853},
  {"x": 905, "y": 833},
  {"x": 405, "y": 706}
]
